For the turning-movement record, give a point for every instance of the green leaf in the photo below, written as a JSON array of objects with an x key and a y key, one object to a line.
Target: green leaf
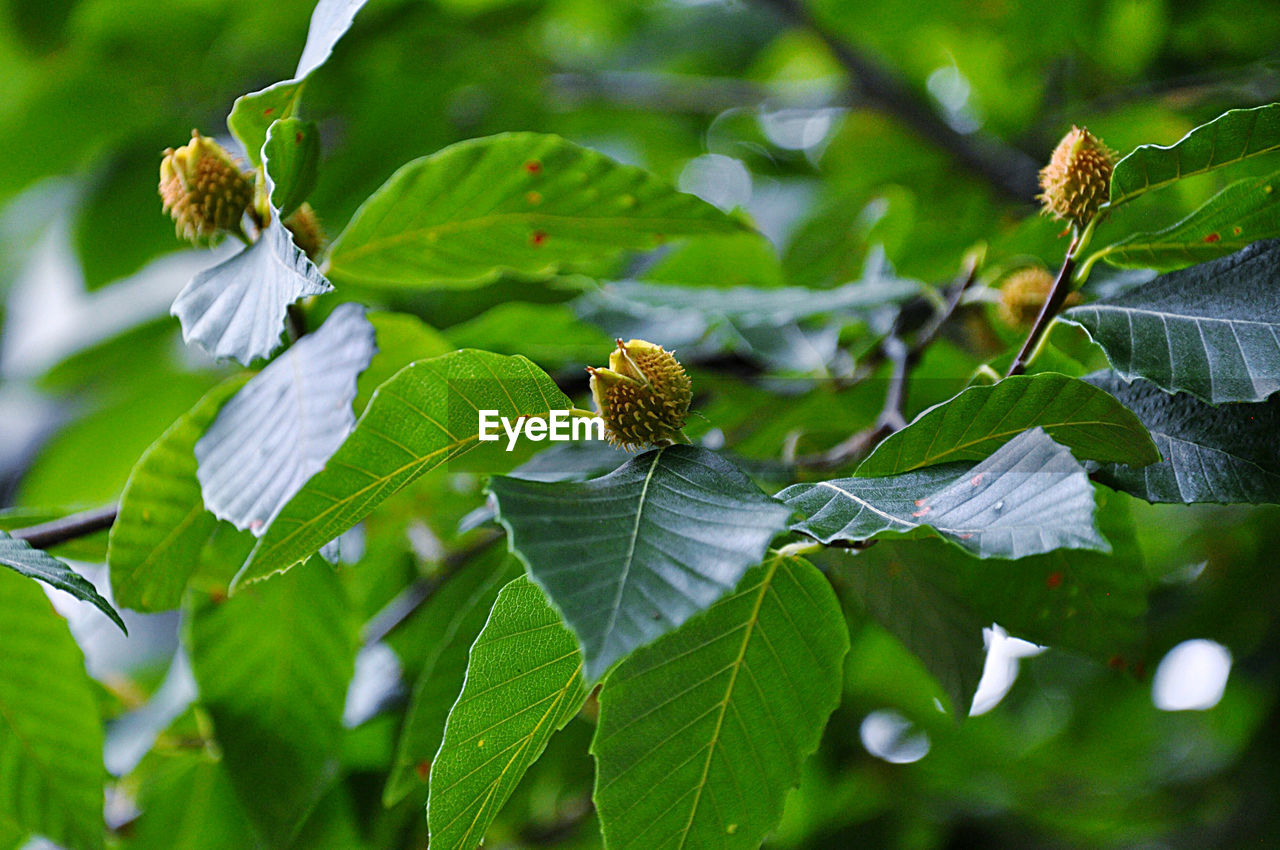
[
  {"x": 915, "y": 598},
  {"x": 518, "y": 201},
  {"x": 1212, "y": 330},
  {"x": 1224, "y": 454},
  {"x": 1030, "y": 496},
  {"x": 455, "y": 615},
  {"x": 1229, "y": 138},
  {"x": 237, "y": 308},
  {"x": 702, "y": 734},
  {"x": 252, "y": 114},
  {"x": 162, "y": 526},
  {"x": 34, "y": 563},
  {"x": 285, "y": 423},
  {"x": 50, "y": 735},
  {"x": 630, "y": 556},
  {"x": 1087, "y": 602},
  {"x": 422, "y": 418},
  {"x": 524, "y": 682},
  {"x": 291, "y": 155},
  {"x": 979, "y": 420},
  {"x": 188, "y": 803},
  {"x": 1242, "y": 213},
  {"x": 401, "y": 339},
  {"x": 273, "y": 664}
]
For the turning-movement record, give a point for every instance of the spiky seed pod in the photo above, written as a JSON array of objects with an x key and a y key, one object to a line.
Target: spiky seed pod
[
  {"x": 308, "y": 233},
  {"x": 643, "y": 395},
  {"x": 1022, "y": 295},
  {"x": 203, "y": 189},
  {"x": 1077, "y": 179}
]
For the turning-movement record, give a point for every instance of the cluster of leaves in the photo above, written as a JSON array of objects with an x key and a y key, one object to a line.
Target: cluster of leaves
[{"x": 688, "y": 609}]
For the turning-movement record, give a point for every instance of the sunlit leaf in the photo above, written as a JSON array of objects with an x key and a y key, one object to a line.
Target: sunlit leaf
[
  {"x": 524, "y": 682},
  {"x": 423, "y": 417},
  {"x": 979, "y": 420},
  {"x": 1229, "y": 138},
  {"x": 702, "y": 734},
  {"x": 518, "y": 201}
]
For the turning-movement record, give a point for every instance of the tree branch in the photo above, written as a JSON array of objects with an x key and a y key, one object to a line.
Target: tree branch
[
  {"x": 904, "y": 357},
  {"x": 1006, "y": 168},
  {"x": 1057, "y": 297},
  {"x": 49, "y": 534}
]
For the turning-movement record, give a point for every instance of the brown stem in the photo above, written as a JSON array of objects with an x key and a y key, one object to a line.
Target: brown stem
[
  {"x": 49, "y": 534},
  {"x": 1057, "y": 297},
  {"x": 1004, "y": 167},
  {"x": 904, "y": 358}
]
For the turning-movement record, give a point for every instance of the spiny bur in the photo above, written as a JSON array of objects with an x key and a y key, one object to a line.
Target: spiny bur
[
  {"x": 203, "y": 189},
  {"x": 1077, "y": 180},
  {"x": 1022, "y": 295},
  {"x": 643, "y": 395}
]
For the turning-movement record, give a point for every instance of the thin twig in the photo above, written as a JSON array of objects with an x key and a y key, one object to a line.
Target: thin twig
[
  {"x": 903, "y": 358},
  {"x": 68, "y": 528},
  {"x": 1057, "y": 297},
  {"x": 415, "y": 595},
  {"x": 1003, "y": 166}
]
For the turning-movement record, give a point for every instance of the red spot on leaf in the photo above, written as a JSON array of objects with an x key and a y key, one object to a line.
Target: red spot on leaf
[
  {"x": 1140, "y": 670},
  {"x": 1116, "y": 662},
  {"x": 268, "y": 110},
  {"x": 964, "y": 536},
  {"x": 537, "y": 238},
  {"x": 533, "y": 198},
  {"x": 1054, "y": 580},
  {"x": 920, "y": 502},
  {"x": 1212, "y": 237},
  {"x": 923, "y": 511},
  {"x": 423, "y": 769},
  {"x": 533, "y": 166},
  {"x": 1237, "y": 230},
  {"x": 298, "y": 138},
  {"x": 977, "y": 479}
]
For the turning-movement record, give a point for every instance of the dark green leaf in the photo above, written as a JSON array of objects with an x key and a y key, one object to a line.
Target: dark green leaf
[
  {"x": 282, "y": 427},
  {"x": 1242, "y": 213},
  {"x": 702, "y": 734},
  {"x": 162, "y": 526},
  {"x": 1030, "y": 496},
  {"x": 1212, "y": 453},
  {"x": 273, "y": 664},
  {"x": 628, "y": 557},
  {"x": 981, "y": 419},
  {"x": 236, "y": 309},
  {"x": 906, "y": 588},
  {"x": 523, "y": 683},
  {"x": 188, "y": 803},
  {"x": 419, "y": 420},
  {"x": 454, "y": 615},
  {"x": 1231, "y": 137},
  {"x": 291, "y": 156},
  {"x": 39, "y": 565},
  {"x": 50, "y": 735},
  {"x": 1212, "y": 330},
  {"x": 517, "y": 201}
]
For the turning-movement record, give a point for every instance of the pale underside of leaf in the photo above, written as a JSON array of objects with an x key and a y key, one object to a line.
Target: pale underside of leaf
[
  {"x": 284, "y": 424},
  {"x": 1028, "y": 497}
]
